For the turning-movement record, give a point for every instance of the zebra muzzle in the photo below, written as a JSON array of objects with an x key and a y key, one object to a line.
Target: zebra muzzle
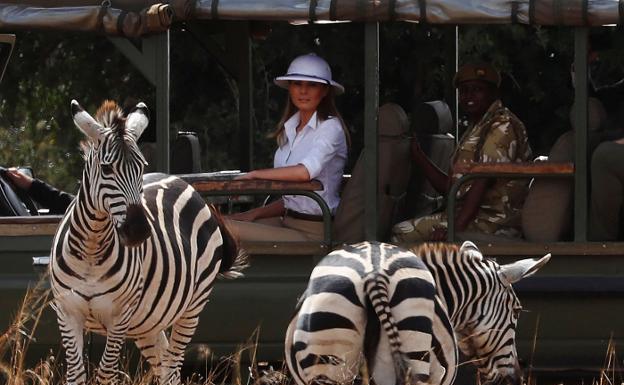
[{"x": 135, "y": 229}]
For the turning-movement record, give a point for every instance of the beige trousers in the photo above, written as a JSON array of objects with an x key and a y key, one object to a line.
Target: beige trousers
[{"x": 277, "y": 229}]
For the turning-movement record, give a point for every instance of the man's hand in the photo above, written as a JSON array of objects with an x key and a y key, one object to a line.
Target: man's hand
[{"x": 22, "y": 181}]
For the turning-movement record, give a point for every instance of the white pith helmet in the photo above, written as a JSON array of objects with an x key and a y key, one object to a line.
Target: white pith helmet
[{"x": 311, "y": 68}]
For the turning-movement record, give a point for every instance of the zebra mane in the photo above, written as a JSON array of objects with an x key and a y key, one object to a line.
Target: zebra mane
[
  {"x": 111, "y": 116},
  {"x": 449, "y": 251}
]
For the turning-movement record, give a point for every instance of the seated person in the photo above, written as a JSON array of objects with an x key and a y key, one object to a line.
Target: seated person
[
  {"x": 312, "y": 144},
  {"x": 607, "y": 191},
  {"x": 494, "y": 134},
  {"x": 46, "y": 196}
]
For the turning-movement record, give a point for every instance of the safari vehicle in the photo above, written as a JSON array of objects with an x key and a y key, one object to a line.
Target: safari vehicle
[{"x": 574, "y": 303}]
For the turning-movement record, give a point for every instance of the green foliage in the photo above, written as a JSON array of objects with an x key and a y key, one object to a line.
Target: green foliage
[{"x": 47, "y": 71}]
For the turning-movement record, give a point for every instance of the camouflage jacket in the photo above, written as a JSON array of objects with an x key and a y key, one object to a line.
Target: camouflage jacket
[{"x": 498, "y": 137}]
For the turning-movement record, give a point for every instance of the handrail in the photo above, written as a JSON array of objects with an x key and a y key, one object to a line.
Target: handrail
[
  {"x": 471, "y": 171},
  {"x": 224, "y": 184},
  {"x": 34, "y": 225}
]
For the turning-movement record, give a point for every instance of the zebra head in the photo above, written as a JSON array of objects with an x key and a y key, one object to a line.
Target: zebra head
[
  {"x": 488, "y": 334},
  {"x": 113, "y": 176}
]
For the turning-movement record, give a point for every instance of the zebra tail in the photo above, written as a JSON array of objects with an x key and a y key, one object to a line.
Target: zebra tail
[
  {"x": 376, "y": 286},
  {"x": 234, "y": 258}
]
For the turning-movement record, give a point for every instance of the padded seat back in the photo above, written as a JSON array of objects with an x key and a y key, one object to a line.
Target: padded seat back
[
  {"x": 394, "y": 172},
  {"x": 547, "y": 210},
  {"x": 186, "y": 154},
  {"x": 432, "y": 123}
]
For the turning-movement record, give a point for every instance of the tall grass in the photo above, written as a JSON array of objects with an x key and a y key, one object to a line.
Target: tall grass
[
  {"x": 16, "y": 339},
  {"x": 14, "y": 342}
]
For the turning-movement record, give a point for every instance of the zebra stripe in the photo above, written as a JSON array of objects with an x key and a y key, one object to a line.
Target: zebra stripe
[
  {"x": 352, "y": 294},
  {"x": 481, "y": 305},
  {"x": 473, "y": 308},
  {"x": 133, "y": 255}
]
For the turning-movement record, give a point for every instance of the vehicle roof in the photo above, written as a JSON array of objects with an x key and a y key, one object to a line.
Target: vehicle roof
[{"x": 141, "y": 17}]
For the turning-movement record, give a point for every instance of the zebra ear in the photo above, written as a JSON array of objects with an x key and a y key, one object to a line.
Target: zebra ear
[
  {"x": 513, "y": 272},
  {"x": 467, "y": 245},
  {"x": 137, "y": 120},
  {"x": 85, "y": 122}
]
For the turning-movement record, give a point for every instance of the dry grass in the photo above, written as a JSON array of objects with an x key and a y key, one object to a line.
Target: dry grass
[{"x": 14, "y": 343}]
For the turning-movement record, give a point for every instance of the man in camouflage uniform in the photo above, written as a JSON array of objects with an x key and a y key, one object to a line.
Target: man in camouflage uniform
[{"x": 495, "y": 135}]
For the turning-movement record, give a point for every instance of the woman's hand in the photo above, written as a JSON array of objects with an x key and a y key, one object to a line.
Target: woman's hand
[{"x": 22, "y": 181}]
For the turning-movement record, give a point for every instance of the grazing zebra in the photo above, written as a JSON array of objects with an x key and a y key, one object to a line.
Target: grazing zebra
[
  {"x": 133, "y": 256},
  {"x": 474, "y": 309}
]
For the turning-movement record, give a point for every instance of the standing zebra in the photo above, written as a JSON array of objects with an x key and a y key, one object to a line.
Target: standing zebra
[
  {"x": 133, "y": 256},
  {"x": 474, "y": 302}
]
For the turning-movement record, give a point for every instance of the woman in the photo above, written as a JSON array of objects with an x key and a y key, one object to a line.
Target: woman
[{"x": 312, "y": 144}]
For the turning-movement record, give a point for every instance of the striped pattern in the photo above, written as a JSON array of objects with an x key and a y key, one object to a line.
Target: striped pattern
[
  {"x": 133, "y": 256},
  {"x": 473, "y": 308},
  {"x": 481, "y": 304},
  {"x": 370, "y": 301}
]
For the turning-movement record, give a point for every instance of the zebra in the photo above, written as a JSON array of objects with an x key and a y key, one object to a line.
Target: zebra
[
  {"x": 474, "y": 309},
  {"x": 133, "y": 256}
]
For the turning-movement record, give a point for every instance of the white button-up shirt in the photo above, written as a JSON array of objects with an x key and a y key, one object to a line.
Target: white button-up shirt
[{"x": 321, "y": 147}]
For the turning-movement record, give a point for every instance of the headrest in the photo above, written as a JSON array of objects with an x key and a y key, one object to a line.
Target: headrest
[
  {"x": 596, "y": 114},
  {"x": 432, "y": 118},
  {"x": 392, "y": 120}
]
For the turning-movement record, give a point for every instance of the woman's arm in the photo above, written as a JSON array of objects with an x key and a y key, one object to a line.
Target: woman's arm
[{"x": 297, "y": 173}]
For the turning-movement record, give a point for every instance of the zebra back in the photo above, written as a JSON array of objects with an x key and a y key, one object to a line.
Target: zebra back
[{"x": 370, "y": 301}]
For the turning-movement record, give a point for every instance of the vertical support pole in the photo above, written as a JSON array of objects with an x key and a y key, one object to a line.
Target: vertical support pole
[
  {"x": 245, "y": 95},
  {"x": 156, "y": 48},
  {"x": 371, "y": 104},
  {"x": 580, "y": 143},
  {"x": 451, "y": 59}
]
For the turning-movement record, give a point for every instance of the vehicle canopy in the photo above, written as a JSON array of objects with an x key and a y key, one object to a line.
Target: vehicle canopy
[{"x": 141, "y": 17}]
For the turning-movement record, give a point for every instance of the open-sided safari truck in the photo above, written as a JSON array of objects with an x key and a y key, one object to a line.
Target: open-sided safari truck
[{"x": 574, "y": 303}]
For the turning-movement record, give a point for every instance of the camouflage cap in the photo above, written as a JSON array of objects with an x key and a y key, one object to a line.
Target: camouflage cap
[{"x": 483, "y": 72}]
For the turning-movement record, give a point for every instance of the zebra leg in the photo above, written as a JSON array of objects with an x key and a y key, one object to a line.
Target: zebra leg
[
  {"x": 181, "y": 333},
  {"x": 71, "y": 327},
  {"x": 115, "y": 337},
  {"x": 326, "y": 347},
  {"x": 291, "y": 361},
  {"x": 154, "y": 349}
]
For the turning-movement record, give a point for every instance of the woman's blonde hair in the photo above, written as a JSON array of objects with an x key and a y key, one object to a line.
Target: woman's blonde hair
[{"x": 325, "y": 110}]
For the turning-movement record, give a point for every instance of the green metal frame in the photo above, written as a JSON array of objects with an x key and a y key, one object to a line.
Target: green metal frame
[
  {"x": 236, "y": 190},
  {"x": 580, "y": 135},
  {"x": 371, "y": 95}
]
